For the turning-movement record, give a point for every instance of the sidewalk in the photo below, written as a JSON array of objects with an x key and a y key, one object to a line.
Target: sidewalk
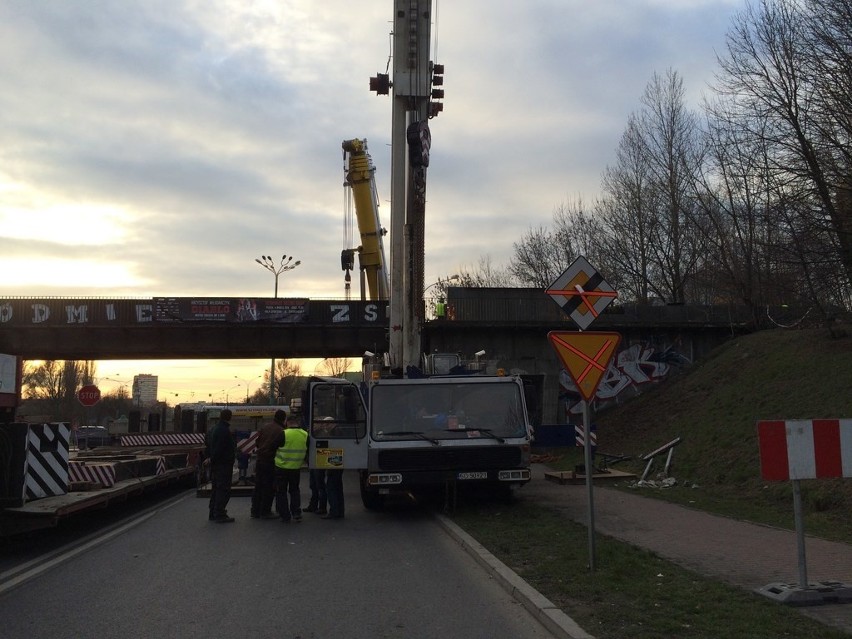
[{"x": 747, "y": 555}]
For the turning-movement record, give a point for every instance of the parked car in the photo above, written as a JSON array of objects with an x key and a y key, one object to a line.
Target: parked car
[{"x": 85, "y": 437}]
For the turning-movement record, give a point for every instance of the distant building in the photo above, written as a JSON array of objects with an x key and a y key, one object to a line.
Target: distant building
[{"x": 144, "y": 390}]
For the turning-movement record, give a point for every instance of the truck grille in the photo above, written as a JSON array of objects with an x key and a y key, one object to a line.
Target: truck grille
[{"x": 482, "y": 458}]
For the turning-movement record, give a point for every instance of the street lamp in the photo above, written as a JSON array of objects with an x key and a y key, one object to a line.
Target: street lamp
[
  {"x": 247, "y": 382},
  {"x": 228, "y": 391},
  {"x": 286, "y": 264}
]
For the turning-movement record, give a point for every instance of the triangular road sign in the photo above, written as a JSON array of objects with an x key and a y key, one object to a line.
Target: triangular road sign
[{"x": 585, "y": 356}]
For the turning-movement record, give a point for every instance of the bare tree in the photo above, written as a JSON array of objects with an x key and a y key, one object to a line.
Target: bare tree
[
  {"x": 543, "y": 253},
  {"x": 626, "y": 215},
  {"x": 788, "y": 62},
  {"x": 54, "y": 384},
  {"x": 649, "y": 242},
  {"x": 288, "y": 376},
  {"x": 335, "y": 366},
  {"x": 484, "y": 274},
  {"x": 668, "y": 135}
]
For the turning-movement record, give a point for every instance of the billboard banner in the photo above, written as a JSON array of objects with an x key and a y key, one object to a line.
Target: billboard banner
[{"x": 229, "y": 309}]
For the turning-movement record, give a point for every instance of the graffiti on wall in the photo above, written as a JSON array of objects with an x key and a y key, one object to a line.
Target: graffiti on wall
[{"x": 632, "y": 369}]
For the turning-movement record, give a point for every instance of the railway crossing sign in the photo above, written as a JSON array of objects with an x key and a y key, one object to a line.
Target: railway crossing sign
[
  {"x": 89, "y": 395},
  {"x": 586, "y": 356},
  {"x": 582, "y": 292}
]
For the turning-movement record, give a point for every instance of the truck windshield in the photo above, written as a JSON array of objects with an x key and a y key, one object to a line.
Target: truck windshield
[{"x": 450, "y": 410}]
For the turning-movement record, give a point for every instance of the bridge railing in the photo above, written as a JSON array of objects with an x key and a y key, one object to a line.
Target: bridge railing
[{"x": 524, "y": 306}]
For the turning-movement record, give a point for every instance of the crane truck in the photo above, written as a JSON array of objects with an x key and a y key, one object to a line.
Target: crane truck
[{"x": 410, "y": 425}]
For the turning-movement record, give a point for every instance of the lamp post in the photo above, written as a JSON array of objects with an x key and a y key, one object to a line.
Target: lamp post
[
  {"x": 227, "y": 402},
  {"x": 247, "y": 382},
  {"x": 286, "y": 264}
]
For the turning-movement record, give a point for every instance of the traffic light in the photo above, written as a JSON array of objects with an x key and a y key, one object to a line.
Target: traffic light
[
  {"x": 437, "y": 80},
  {"x": 436, "y": 107}
]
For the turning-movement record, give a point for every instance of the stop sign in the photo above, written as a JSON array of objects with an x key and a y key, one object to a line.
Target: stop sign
[{"x": 89, "y": 395}]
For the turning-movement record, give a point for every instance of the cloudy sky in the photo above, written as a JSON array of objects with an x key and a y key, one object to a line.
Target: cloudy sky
[{"x": 158, "y": 147}]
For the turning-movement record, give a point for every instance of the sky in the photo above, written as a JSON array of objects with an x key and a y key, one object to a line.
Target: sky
[{"x": 158, "y": 147}]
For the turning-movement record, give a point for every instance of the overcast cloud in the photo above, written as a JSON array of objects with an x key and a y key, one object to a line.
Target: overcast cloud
[{"x": 158, "y": 147}]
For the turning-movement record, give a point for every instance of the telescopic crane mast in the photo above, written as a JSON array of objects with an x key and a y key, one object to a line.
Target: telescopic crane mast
[{"x": 410, "y": 141}]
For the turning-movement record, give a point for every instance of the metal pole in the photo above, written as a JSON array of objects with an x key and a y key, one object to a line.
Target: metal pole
[
  {"x": 587, "y": 428},
  {"x": 272, "y": 365},
  {"x": 800, "y": 534}
]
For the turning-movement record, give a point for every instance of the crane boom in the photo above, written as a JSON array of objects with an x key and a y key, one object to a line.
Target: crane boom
[
  {"x": 360, "y": 177},
  {"x": 411, "y": 96}
]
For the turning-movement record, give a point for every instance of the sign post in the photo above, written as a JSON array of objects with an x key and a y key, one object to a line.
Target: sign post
[
  {"x": 799, "y": 449},
  {"x": 583, "y": 293}
]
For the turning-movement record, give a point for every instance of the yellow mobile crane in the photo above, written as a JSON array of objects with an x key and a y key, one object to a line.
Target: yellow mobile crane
[{"x": 360, "y": 180}]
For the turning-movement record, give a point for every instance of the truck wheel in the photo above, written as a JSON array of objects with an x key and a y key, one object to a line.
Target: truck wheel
[{"x": 371, "y": 499}]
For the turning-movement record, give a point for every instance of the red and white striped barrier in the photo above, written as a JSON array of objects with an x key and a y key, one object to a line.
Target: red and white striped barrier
[
  {"x": 805, "y": 448},
  {"x": 248, "y": 444},
  {"x": 103, "y": 474},
  {"x": 163, "y": 439},
  {"x": 580, "y": 436}
]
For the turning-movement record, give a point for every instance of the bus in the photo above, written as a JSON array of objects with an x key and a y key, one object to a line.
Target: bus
[{"x": 245, "y": 417}]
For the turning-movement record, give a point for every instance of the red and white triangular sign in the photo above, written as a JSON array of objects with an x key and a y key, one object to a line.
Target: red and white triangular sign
[{"x": 585, "y": 356}]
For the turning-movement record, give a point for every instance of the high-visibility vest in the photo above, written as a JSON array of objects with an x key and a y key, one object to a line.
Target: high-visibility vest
[{"x": 292, "y": 453}]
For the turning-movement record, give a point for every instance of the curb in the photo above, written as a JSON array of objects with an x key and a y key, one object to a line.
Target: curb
[{"x": 551, "y": 617}]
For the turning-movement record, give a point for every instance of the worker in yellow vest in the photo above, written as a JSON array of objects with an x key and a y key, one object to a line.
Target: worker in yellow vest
[{"x": 288, "y": 466}]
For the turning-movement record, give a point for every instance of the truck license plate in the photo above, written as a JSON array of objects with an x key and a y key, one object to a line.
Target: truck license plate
[{"x": 475, "y": 475}]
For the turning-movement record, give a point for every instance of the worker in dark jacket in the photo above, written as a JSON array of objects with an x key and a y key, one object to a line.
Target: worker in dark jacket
[
  {"x": 270, "y": 437},
  {"x": 221, "y": 453}
]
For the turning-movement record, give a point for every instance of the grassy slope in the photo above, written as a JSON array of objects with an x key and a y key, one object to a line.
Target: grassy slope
[{"x": 714, "y": 407}]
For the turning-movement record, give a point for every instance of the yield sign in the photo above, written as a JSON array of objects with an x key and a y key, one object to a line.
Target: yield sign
[
  {"x": 585, "y": 356},
  {"x": 581, "y": 292}
]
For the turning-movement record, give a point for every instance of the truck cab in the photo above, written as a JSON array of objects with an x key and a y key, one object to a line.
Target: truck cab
[{"x": 409, "y": 435}]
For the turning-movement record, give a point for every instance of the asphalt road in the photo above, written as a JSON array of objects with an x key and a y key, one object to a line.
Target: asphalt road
[{"x": 168, "y": 572}]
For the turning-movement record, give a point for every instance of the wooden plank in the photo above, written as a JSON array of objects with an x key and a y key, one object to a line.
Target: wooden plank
[{"x": 571, "y": 477}]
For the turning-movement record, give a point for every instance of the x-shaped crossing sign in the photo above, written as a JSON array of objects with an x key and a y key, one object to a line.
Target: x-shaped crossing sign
[
  {"x": 581, "y": 292},
  {"x": 586, "y": 357}
]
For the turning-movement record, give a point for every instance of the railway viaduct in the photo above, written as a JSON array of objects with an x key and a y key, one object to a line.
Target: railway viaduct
[{"x": 510, "y": 325}]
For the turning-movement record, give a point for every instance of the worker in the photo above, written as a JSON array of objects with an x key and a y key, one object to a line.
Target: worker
[
  {"x": 319, "y": 497},
  {"x": 334, "y": 491},
  {"x": 440, "y": 309},
  {"x": 288, "y": 465},
  {"x": 221, "y": 454},
  {"x": 270, "y": 437}
]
